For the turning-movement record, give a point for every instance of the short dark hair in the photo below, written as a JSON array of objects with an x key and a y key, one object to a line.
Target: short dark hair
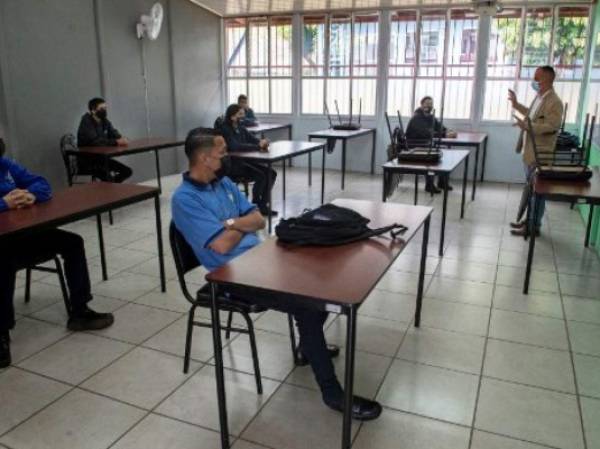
[
  {"x": 549, "y": 70},
  {"x": 232, "y": 109},
  {"x": 425, "y": 98},
  {"x": 94, "y": 102},
  {"x": 199, "y": 140},
  {"x": 242, "y": 97}
]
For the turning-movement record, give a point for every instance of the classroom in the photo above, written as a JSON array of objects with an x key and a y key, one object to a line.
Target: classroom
[{"x": 294, "y": 224}]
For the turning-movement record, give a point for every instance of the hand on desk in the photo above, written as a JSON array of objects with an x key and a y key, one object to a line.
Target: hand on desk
[
  {"x": 122, "y": 141},
  {"x": 264, "y": 144},
  {"x": 451, "y": 134},
  {"x": 18, "y": 199}
]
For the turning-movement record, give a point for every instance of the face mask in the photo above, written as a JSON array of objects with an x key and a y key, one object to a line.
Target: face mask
[
  {"x": 225, "y": 168},
  {"x": 2, "y": 148},
  {"x": 101, "y": 114},
  {"x": 535, "y": 85}
]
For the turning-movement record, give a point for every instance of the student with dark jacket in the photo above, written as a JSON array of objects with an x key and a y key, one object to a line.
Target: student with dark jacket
[
  {"x": 238, "y": 138},
  {"x": 95, "y": 130},
  {"x": 419, "y": 131},
  {"x": 21, "y": 189},
  {"x": 249, "y": 118}
]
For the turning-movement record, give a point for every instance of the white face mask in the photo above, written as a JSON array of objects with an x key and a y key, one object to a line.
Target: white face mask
[{"x": 535, "y": 85}]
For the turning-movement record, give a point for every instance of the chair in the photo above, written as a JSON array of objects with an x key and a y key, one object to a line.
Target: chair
[
  {"x": 186, "y": 261},
  {"x": 36, "y": 266}
]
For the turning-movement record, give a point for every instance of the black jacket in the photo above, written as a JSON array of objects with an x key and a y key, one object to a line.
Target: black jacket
[
  {"x": 239, "y": 139},
  {"x": 96, "y": 134},
  {"x": 419, "y": 127}
]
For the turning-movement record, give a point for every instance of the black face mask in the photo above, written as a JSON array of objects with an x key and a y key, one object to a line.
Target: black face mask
[
  {"x": 426, "y": 110},
  {"x": 2, "y": 148},
  {"x": 225, "y": 168},
  {"x": 101, "y": 114}
]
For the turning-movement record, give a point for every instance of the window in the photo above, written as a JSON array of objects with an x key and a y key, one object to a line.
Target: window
[
  {"x": 593, "y": 96},
  {"x": 339, "y": 63},
  {"x": 521, "y": 41},
  {"x": 259, "y": 62},
  {"x": 445, "y": 67}
]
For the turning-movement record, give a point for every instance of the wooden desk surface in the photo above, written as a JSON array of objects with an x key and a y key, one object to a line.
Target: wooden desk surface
[
  {"x": 73, "y": 203},
  {"x": 134, "y": 146},
  {"x": 282, "y": 149},
  {"x": 570, "y": 190},
  {"x": 262, "y": 127},
  {"x": 450, "y": 160},
  {"x": 339, "y": 134},
  {"x": 465, "y": 138},
  {"x": 343, "y": 275}
]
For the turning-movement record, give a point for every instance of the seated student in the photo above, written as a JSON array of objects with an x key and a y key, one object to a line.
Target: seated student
[
  {"x": 250, "y": 118},
  {"x": 419, "y": 129},
  {"x": 238, "y": 138},
  {"x": 219, "y": 223},
  {"x": 95, "y": 130},
  {"x": 20, "y": 189}
]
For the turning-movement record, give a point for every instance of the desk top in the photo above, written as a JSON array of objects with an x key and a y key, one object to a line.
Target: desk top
[
  {"x": 262, "y": 127},
  {"x": 339, "y": 134},
  {"x": 450, "y": 160},
  {"x": 282, "y": 149},
  {"x": 73, "y": 203},
  {"x": 465, "y": 138},
  {"x": 134, "y": 146},
  {"x": 570, "y": 190},
  {"x": 343, "y": 275}
]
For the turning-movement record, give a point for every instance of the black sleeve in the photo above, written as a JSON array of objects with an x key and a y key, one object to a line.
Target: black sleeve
[
  {"x": 239, "y": 142},
  {"x": 418, "y": 129},
  {"x": 112, "y": 132},
  {"x": 440, "y": 130},
  {"x": 87, "y": 134}
]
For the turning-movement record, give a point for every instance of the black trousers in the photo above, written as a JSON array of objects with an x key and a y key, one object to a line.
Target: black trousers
[
  {"x": 96, "y": 166},
  {"x": 257, "y": 174},
  {"x": 22, "y": 252}
]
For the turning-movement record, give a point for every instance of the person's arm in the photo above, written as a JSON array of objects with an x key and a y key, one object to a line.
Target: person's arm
[
  {"x": 250, "y": 219},
  {"x": 520, "y": 108},
  {"x": 87, "y": 136},
  {"x": 112, "y": 132},
  {"x": 550, "y": 121},
  {"x": 236, "y": 143},
  {"x": 34, "y": 184}
]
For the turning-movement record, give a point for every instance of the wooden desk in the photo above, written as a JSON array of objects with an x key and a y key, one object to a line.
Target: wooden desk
[
  {"x": 82, "y": 201},
  {"x": 332, "y": 136},
  {"x": 451, "y": 159},
  {"x": 567, "y": 192},
  {"x": 280, "y": 151},
  {"x": 134, "y": 147},
  {"x": 304, "y": 275},
  {"x": 475, "y": 140},
  {"x": 263, "y": 128}
]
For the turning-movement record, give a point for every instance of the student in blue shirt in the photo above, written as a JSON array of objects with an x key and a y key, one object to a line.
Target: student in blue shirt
[
  {"x": 219, "y": 223},
  {"x": 249, "y": 119},
  {"x": 20, "y": 189}
]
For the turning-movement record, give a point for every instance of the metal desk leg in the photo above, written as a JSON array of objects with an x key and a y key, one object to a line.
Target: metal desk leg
[
  {"x": 310, "y": 165},
  {"x": 269, "y": 209},
  {"x": 159, "y": 241},
  {"x": 383, "y": 198},
  {"x": 289, "y": 138},
  {"x": 531, "y": 226},
  {"x": 474, "y": 172},
  {"x": 424, "y": 245},
  {"x": 589, "y": 226},
  {"x": 417, "y": 189},
  {"x": 373, "y": 151},
  {"x": 218, "y": 352},
  {"x": 109, "y": 178},
  {"x": 283, "y": 187},
  {"x": 323, "y": 176},
  {"x": 343, "y": 163},
  {"x": 485, "y": 141},
  {"x": 157, "y": 160},
  {"x": 444, "y": 209},
  {"x": 464, "y": 186},
  {"x": 101, "y": 243},
  {"x": 349, "y": 377}
]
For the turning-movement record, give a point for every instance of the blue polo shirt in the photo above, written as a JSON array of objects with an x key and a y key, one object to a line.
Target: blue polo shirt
[{"x": 199, "y": 211}]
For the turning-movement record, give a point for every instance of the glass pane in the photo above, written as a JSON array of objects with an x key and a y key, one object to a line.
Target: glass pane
[
  {"x": 400, "y": 96},
  {"x": 259, "y": 46},
  {"x": 457, "y": 98},
  {"x": 281, "y": 46},
  {"x": 402, "y": 43},
  {"x": 235, "y": 87},
  {"x": 313, "y": 46},
  {"x": 495, "y": 104},
  {"x": 462, "y": 43},
  {"x": 431, "y": 54},
  {"x": 570, "y": 41},
  {"x": 568, "y": 91},
  {"x": 593, "y": 99},
  {"x": 312, "y": 95},
  {"x": 536, "y": 48},
  {"x": 365, "y": 45},
  {"x": 337, "y": 90},
  {"x": 504, "y": 44},
  {"x": 259, "y": 95},
  {"x": 235, "y": 46},
  {"x": 339, "y": 45},
  {"x": 364, "y": 92},
  {"x": 281, "y": 96}
]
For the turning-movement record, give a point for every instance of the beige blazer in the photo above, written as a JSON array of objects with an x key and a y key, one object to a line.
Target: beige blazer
[{"x": 546, "y": 124}]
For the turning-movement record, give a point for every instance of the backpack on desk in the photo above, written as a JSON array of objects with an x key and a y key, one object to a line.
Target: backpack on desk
[{"x": 330, "y": 225}]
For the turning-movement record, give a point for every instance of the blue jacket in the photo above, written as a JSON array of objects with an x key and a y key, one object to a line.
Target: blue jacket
[
  {"x": 239, "y": 139},
  {"x": 14, "y": 176},
  {"x": 250, "y": 118}
]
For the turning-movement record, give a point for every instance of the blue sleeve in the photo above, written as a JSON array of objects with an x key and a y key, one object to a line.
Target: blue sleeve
[
  {"x": 244, "y": 206},
  {"x": 35, "y": 184},
  {"x": 3, "y": 205},
  {"x": 198, "y": 224}
]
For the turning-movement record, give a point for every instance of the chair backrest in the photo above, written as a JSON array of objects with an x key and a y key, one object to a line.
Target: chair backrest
[
  {"x": 185, "y": 259},
  {"x": 68, "y": 143}
]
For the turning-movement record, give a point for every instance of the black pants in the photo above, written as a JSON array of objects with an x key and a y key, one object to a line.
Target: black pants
[
  {"x": 22, "y": 252},
  {"x": 257, "y": 174},
  {"x": 96, "y": 166}
]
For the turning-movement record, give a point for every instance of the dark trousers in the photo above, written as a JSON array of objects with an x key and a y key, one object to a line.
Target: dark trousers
[
  {"x": 22, "y": 252},
  {"x": 257, "y": 174},
  {"x": 96, "y": 166}
]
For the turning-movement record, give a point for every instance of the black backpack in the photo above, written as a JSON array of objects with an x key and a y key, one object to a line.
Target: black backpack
[
  {"x": 330, "y": 225},
  {"x": 566, "y": 141}
]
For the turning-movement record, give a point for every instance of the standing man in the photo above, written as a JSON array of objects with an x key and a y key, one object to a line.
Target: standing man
[
  {"x": 545, "y": 113},
  {"x": 95, "y": 130},
  {"x": 249, "y": 119}
]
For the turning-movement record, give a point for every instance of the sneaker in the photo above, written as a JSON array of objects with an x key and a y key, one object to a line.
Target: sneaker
[
  {"x": 89, "y": 320},
  {"x": 5, "y": 359}
]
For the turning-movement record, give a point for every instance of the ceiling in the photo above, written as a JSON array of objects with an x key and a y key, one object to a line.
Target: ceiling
[{"x": 229, "y": 8}]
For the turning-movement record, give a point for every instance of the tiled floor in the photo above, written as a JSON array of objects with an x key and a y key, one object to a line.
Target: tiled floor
[{"x": 490, "y": 368}]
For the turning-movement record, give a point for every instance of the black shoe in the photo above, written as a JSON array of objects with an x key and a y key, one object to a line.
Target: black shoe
[
  {"x": 5, "y": 359},
  {"x": 441, "y": 187},
  {"x": 432, "y": 189},
  {"x": 518, "y": 224},
  {"x": 523, "y": 232},
  {"x": 301, "y": 360},
  {"x": 89, "y": 320},
  {"x": 362, "y": 409}
]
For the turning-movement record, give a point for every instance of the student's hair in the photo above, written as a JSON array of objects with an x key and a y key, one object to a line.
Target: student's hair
[
  {"x": 199, "y": 140},
  {"x": 242, "y": 97},
  {"x": 232, "y": 109},
  {"x": 548, "y": 70},
  {"x": 94, "y": 102},
  {"x": 424, "y": 99},
  {"x": 2, "y": 147}
]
